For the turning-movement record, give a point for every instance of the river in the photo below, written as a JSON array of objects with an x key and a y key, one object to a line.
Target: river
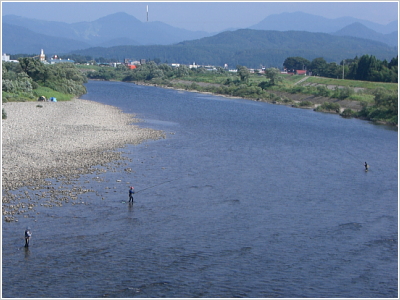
[{"x": 242, "y": 199}]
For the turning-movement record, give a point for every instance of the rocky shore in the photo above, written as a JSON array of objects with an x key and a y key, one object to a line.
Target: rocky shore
[{"x": 46, "y": 140}]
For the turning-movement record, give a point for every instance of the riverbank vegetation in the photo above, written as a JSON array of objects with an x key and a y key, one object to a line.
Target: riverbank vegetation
[
  {"x": 366, "y": 68},
  {"x": 29, "y": 79},
  {"x": 375, "y": 101}
]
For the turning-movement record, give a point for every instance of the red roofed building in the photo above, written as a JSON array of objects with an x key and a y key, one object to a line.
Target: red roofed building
[{"x": 301, "y": 72}]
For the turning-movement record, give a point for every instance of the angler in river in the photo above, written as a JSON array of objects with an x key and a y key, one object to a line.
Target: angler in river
[
  {"x": 28, "y": 235},
  {"x": 366, "y": 166},
  {"x": 131, "y": 192}
]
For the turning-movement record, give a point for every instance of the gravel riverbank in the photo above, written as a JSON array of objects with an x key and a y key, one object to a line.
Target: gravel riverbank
[{"x": 63, "y": 138}]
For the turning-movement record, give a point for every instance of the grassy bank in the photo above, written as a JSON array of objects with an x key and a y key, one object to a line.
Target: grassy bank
[
  {"x": 35, "y": 94},
  {"x": 369, "y": 85}
]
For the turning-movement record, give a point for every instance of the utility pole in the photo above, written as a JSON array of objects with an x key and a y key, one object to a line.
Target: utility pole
[
  {"x": 147, "y": 10},
  {"x": 343, "y": 70}
]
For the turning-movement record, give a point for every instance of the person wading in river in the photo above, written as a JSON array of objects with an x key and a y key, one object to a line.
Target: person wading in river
[
  {"x": 131, "y": 192},
  {"x": 28, "y": 235}
]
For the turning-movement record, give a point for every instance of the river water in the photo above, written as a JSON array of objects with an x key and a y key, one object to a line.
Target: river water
[{"x": 242, "y": 199}]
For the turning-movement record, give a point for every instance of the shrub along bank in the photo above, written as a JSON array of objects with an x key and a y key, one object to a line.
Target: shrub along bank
[{"x": 29, "y": 79}]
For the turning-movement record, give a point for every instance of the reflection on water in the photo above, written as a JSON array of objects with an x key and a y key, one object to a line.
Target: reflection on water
[{"x": 243, "y": 199}]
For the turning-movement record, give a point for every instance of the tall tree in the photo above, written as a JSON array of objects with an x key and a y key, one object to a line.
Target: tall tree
[
  {"x": 33, "y": 67},
  {"x": 274, "y": 76},
  {"x": 243, "y": 73},
  {"x": 318, "y": 66},
  {"x": 296, "y": 63}
]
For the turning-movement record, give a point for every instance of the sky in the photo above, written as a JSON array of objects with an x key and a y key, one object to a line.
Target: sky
[{"x": 204, "y": 16}]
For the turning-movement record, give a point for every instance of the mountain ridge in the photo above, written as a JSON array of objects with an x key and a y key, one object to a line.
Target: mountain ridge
[
  {"x": 307, "y": 22},
  {"x": 361, "y": 31},
  {"x": 20, "y": 40},
  {"x": 251, "y": 48},
  {"x": 108, "y": 28},
  {"x": 236, "y": 46}
]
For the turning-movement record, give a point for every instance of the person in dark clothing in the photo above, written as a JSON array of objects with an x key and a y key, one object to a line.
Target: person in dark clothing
[
  {"x": 131, "y": 192},
  {"x": 28, "y": 235},
  {"x": 366, "y": 166}
]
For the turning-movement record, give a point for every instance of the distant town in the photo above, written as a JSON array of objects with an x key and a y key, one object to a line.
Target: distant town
[{"x": 133, "y": 64}]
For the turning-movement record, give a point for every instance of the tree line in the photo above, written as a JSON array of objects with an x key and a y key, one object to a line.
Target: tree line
[
  {"x": 366, "y": 68},
  {"x": 30, "y": 78}
]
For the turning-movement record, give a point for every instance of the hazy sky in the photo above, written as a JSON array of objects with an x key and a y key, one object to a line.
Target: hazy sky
[{"x": 206, "y": 16}]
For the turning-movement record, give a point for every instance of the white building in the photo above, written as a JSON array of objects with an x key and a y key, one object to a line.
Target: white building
[{"x": 6, "y": 57}]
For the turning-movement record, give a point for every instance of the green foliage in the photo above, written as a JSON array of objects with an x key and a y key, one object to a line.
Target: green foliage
[
  {"x": 296, "y": 63},
  {"x": 368, "y": 85},
  {"x": 306, "y": 104},
  {"x": 243, "y": 73},
  {"x": 4, "y": 114},
  {"x": 15, "y": 81},
  {"x": 328, "y": 106},
  {"x": 273, "y": 76},
  {"x": 21, "y": 80},
  {"x": 367, "y": 68},
  {"x": 385, "y": 107},
  {"x": 297, "y": 89},
  {"x": 347, "y": 113},
  {"x": 386, "y": 100},
  {"x": 374, "y": 113},
  {"x": 342, "y": 93},
  {"x": 48, "y": 92},
  {"x": 322, "y": 91}
]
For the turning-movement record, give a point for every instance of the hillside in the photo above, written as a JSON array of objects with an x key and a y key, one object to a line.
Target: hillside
[
  {"x": 252, "y": 48},
  {"x": 307, "y": 22},
  {"x": 17, "y": 39},
  {"x": 361, "y": 31}
]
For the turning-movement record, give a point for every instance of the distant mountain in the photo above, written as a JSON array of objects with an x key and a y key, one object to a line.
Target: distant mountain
[
  {"x": 361, "y": 31},
  {"x": 120, "y": 41},
  {"x": 110, "y": 30},
  {"x": 122, "y": 36},
  {"x": 252, "y": 48},
  {"x": 306, "y": 22},
  {"x": 18, "y": 40}
]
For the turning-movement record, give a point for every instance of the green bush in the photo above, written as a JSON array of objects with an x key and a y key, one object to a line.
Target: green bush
[
  {"x": 296, "y": 89},
  {"x": 306, "y": 104},
  {"x": 322, "y": 91},
  {"x": 342, "y": 93},
  {"x": 327, "y": 106},
  {"x": 347, "y": 113},
  {"x": 4, "y": 114},
  {"x": 374, "y": 113}
]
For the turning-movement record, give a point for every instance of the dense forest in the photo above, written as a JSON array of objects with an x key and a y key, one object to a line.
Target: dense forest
[
  {"x": 30, "y": 79},
  {"x": 367, "y": 68}
]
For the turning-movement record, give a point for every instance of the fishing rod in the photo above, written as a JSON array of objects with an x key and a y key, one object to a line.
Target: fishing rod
[
  {"x": 153, "y": 186},
  {"x": 358, "y": 160}
]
